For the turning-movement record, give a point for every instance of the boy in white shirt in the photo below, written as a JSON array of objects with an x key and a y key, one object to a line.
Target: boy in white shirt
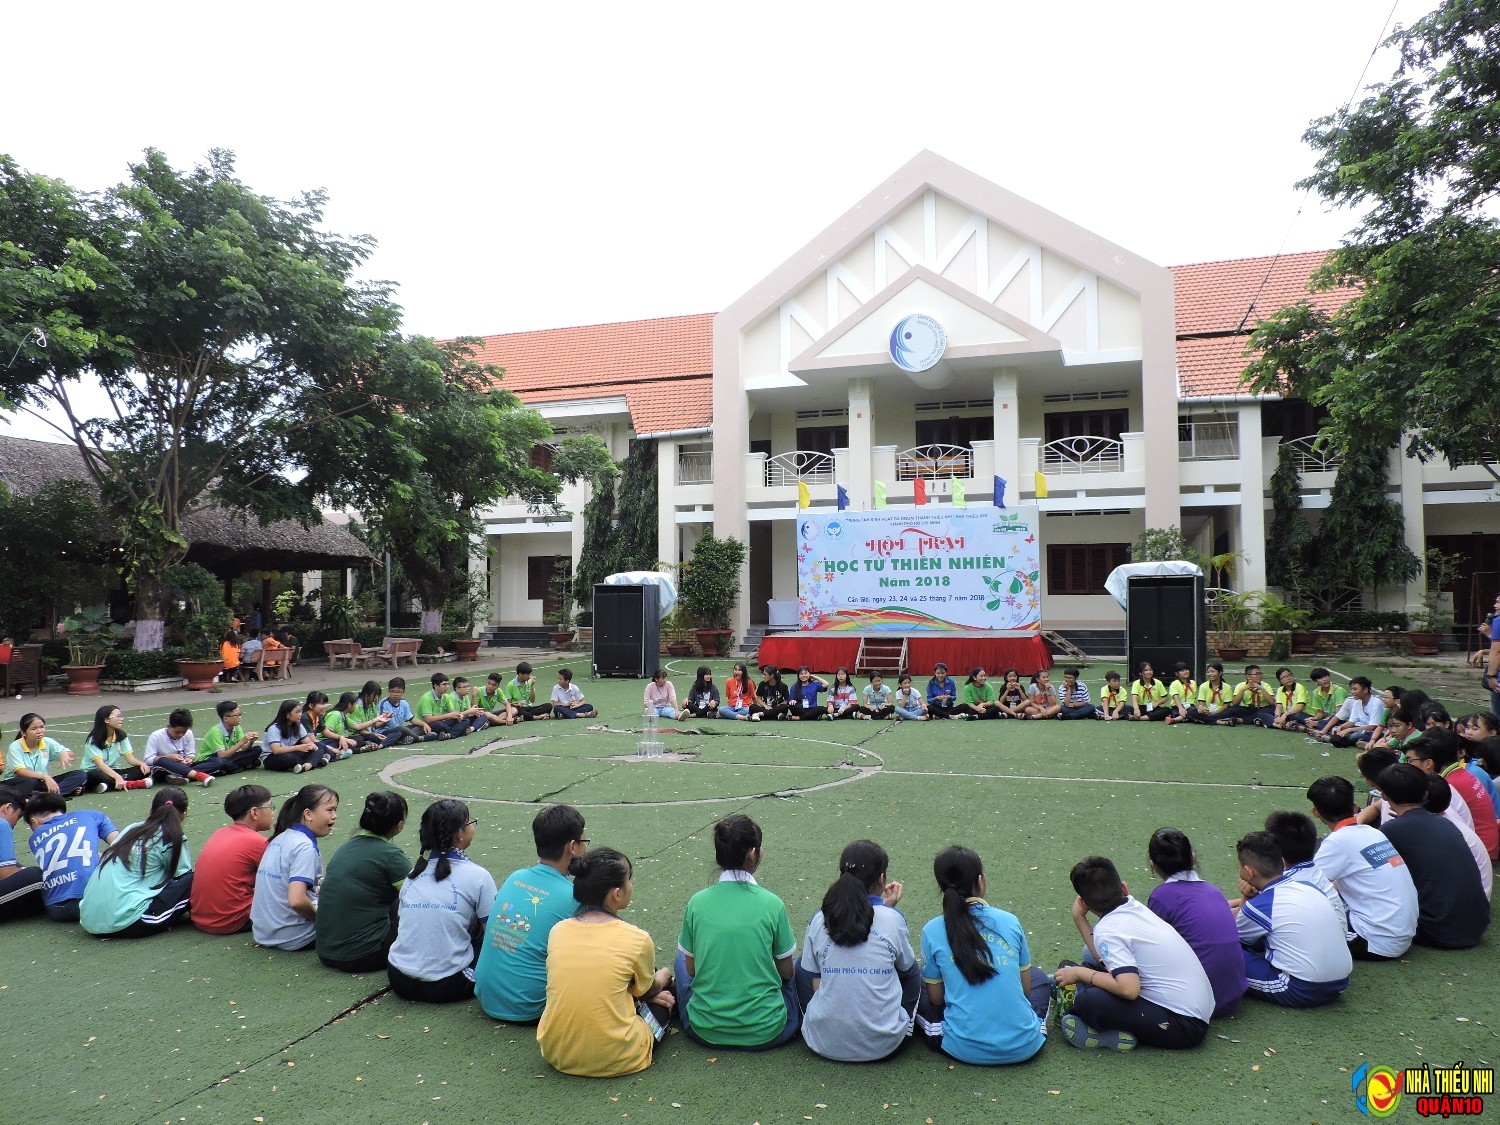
[
  {"x": 567, "y": 699},
  {"x": 1293, "y": 944}
]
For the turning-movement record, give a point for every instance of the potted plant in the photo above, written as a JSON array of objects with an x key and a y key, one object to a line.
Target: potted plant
[
  {"x": 201, "y": 619},
  {"x": 1230, "y": 613},
  {"x": 1435, "y": 615},
  {"x": 1280, "y": 619},
  {"x": 473, "y": 596},
  {"x": 89, "y": 634},
  {"x": 561, "y": 589},
  {"x": 711, "y": 590},
  {"x": 675, "y": 626}
]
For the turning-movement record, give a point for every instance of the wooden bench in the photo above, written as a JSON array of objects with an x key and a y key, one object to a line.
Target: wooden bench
[
  {"x": 345, "y": 653},
  {"x": 395, "y": 652},
  {"x": 276, "y": 663}
]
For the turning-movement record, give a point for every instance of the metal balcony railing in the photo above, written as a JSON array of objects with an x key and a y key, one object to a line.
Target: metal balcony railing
[
  {"x": 1310, "y": 458},
  {"x": 799, "y": 465},
  {"x": 1083, "y": 454},
  {"x": 695, "y": 467},
  {"x": 930, "y": 461},
  {"x": 1208, "y": 441}
]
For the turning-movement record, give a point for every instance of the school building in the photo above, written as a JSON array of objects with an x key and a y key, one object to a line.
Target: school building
[{"x": 947, "y": 330}]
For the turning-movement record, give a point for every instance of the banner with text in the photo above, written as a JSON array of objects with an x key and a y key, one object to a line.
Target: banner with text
[{"x": 942, "y": 569}]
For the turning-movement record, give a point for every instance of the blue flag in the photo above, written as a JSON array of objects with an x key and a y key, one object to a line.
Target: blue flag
[
  {"x": 843, "y": 497},
  {"x": 999, "y": 492}
]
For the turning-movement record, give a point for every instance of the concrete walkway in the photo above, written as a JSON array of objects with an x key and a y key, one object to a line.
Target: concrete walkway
[{"x": 56, "y": 703}]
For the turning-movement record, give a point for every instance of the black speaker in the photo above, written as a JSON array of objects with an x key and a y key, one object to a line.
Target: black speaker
[
  {"x": 1165, "y": 623},
  {"x": 627, "y": 630}
]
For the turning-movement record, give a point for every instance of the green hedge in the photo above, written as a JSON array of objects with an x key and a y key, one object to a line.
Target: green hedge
[
  {"x": 1360, "y": 620},
  {"x": 127, "y": 664}
]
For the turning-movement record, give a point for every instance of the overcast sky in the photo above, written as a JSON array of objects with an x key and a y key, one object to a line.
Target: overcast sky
[{"x": 534, "y": 166}]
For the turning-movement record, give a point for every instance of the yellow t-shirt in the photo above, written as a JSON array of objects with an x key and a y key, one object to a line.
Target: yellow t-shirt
[
  {"x": 595, "y": 971},
  {"x": 1259, "y": 697}
]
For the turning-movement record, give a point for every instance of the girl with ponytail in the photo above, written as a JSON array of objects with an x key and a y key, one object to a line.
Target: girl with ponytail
[
  {"x": 606, "y": 1004},
  {"x": 284, "y": 911},
  {"x": 355, "y": 924},
  {"x": 984, "y": 1003},
  {"x": 144, "y": 879},
  {"x": 858, "y": 978},
  {"x": 443, "y": 910},
  {"x": 734, "y": 954}
]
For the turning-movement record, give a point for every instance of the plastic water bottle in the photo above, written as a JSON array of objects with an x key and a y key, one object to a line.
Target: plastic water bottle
[{"x": 648, "y": 747}]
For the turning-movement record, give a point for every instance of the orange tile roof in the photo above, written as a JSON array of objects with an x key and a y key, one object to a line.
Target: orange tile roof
[
  {"x": 1218, "y": 303},
  {"x": 663, "y": 367}
]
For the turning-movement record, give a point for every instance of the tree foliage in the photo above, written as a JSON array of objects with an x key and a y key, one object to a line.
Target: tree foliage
[
  {"x": 1416, "y": 351},
  {"x": 224, "y": 329},
  {"x": 58, "y": 556},
  {"x": 462, "y": 444},
  {"x": 1289, "y": 534},
  {"x": 711, "y": 581},
  {"x": 619, "y": 532}
]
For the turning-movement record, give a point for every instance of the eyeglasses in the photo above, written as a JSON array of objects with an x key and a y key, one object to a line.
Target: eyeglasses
[
  {"x": 267, "y": 807},
  {"x": 470, "y": 822},
  {"x": 584, "y": 840}
]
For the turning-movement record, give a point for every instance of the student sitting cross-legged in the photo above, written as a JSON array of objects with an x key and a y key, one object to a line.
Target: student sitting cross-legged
[
  {"x": 567, "y": 698},
  {"x": 228, "y": 747},
  {"x": 1073, "y": 697},
  {"x": 1295, "y": 953},
  {"x": 356, "y": 920},
  {"x": 607, "y": 1003},
  {"x": 224, "y": 883},
  {"x": 983, "y": 1001},
  {"x": 858, "y": 978},
  {"x": 434, "y": 710},
  {"x": 1198, "y": 911},
  {"x": 67, "y": 843},
  {"x": 520, "y": 692},
  {"x": 908, "y": 701},
  {"x": 1141, "y": 982},
  {"x": 283, "y": 914},
  {"x": 172, "y": 751},
  {"x": 145, "y": 877},
  {"x": 443, "y": 908},
  {"x": 510, "y": 978}
]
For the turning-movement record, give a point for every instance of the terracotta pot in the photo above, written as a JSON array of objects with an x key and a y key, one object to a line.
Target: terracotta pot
[
  {"x": 467, "y": 649},
  {"x": 201, "y": 675},
  {"x": 560, "y": 639},
  {"x": 1426, "y": 644},
  {"x": 83, "y": 679},
  {"x": 679, "y": 648},
  {"x": 1233, "y": 654},
  {"x": 713, "y": 642},
  {"x": 1305, "y": 641}
]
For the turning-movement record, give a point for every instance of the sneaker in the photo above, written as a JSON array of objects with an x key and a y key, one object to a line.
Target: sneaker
[
  {"x": 208, "y": 779},
  {"x": 755, "y": 718},
  {"x": 866, "y": 717},
  {"x": 963, "y": 718},
  {"x": 345, "y": 754},
  {"x": 1080, "y": 1034},
  {"x": 101, "y": 788}
]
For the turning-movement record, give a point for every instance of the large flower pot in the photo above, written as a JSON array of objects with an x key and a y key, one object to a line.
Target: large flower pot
[
  {"x": 201, "y": 675},
  {"x": 1426, "y": 644},
  {"x": 713, "y": 642},
  {"x": 467, "y": 649},
  {"x": 560, "y": 639},
  {"x": 83, "y": 679}
]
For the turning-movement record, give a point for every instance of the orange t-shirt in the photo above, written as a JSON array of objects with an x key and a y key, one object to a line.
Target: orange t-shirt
[{"x": 230, "y": 653}]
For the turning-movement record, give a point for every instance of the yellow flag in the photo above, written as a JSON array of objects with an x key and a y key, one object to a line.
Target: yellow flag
[
  {"x": 879, "y": 490},
  {"x": 1041, "y": 486},
  {"x": 804, "y": 497},
  {"x": 960, "y": 497}
]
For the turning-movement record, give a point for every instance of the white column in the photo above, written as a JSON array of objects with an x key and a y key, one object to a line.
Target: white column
[
  {"x": 666, "y": 500},
  {"x": 1007, "y": 410},
  {"x": 1407, "y": 472},
  {"x": 861, "y": 438},
  {"x": 1251, "y": 573}
]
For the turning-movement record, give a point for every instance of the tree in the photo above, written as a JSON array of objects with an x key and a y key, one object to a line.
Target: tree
[
  {"x": 620, "y": 532},
  {"x": 1289, "y": 530},
  {"x": 223, "y": 328},
  {"x": 57, "y": 556},
  {"x": 463, "y": 444},
  {"x": 1414, "y": 355}
]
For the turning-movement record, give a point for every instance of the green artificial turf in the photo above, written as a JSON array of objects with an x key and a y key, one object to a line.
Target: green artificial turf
[{"x": 190, "y": 1028}]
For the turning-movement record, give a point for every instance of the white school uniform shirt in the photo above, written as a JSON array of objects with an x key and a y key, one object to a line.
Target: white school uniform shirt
[
  {"x": 570, "y": 696},
  {"x": 1370, "y": 713},
  {"x": 1302, "y": 934},
  {"x": 1375, "y": 885},
  {"x": 161, "y": 743},
  {"x": 1130, "y": 937}
]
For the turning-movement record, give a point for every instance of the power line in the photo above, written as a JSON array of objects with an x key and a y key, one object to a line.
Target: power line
[{"x": 1302, "y": 203}]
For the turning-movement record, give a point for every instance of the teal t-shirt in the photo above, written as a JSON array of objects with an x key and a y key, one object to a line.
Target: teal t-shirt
[
  {"x": 119, "y": 891},
  {"x": 510, "y": 978},
  {"x": 113, "y": 754},
  {"x": 735, "y": 930},
  {"x": 18, "y": 757}
]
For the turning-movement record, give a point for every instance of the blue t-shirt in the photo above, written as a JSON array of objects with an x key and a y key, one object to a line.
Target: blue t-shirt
[
  {"x": 805, "y": 695},
  {"x": 400, "y": 713},
  {"x": 67, "y": 849},
  {"x": 992, "y": 1022},
  {"x": 945, "y": 686},
  {"x": 510, "y": 978}
]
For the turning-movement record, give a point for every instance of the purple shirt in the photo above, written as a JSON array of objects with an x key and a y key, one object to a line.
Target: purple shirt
[{"x": 1199, "y": 912}]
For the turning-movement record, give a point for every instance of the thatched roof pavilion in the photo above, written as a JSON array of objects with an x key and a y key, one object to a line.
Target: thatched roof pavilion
[{"x": 226, "y": 542}]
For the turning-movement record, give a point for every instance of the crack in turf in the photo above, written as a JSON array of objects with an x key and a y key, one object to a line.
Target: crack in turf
[
  {"x": 577, "y": 781},
  {"x": 268, "y": 1056}
]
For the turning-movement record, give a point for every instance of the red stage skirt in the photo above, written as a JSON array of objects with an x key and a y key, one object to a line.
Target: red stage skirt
[{"x": 961, "y": 652}]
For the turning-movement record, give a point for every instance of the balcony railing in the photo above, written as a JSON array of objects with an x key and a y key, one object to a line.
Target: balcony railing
[
  {"x": 799, "y": 465},
  {"x": 695, "y": 467},
  {"x": 1309, "y": 458},
  {"x": 1208, "y": 441},
  {"x": 929, "y": 461},
  {"x": 1083, "y": 454}
]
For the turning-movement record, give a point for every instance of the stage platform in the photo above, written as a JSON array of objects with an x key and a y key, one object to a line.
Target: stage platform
[{"x": 994, "y": 652}]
